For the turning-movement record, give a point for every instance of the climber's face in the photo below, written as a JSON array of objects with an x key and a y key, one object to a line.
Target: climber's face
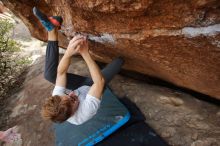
[{"x": 73, "y": 100}]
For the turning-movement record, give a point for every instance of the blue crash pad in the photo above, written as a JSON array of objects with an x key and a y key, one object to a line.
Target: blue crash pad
[{"x": 111, "y": 115}]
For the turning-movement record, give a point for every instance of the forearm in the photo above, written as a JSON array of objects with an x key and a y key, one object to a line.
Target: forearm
[
  {"x": 94, "y": 70},
  {"x": 64, "y": 64}
]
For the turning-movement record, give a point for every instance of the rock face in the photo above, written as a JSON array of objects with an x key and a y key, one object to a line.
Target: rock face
[{"x": 177, "y": 41}]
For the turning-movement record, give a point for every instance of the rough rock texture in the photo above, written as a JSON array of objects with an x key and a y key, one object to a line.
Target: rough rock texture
[{"x": 174, "y": 40}]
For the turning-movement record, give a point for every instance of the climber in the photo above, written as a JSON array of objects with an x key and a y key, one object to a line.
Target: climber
[{"x": 75, "y": 99}]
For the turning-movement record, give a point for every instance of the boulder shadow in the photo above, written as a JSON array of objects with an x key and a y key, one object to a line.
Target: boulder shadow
[{"x": 136, "y": 132}]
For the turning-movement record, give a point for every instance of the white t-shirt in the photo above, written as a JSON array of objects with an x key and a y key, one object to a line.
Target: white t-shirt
[{"x": 88, "y": 105}]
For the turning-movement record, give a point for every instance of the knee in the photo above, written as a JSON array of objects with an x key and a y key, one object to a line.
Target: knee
[{"x": 120, "y": 61}]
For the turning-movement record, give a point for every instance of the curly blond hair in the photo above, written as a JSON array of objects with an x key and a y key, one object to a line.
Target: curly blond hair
[{"x": 56, "y": 109}]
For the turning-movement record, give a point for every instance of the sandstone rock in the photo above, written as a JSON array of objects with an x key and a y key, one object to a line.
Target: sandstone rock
[
  {"x": 218, "y": 113},
  {"x": 168, "y": 132},
  {"x": 19, "y": 109},
  {"x": 41, "y": 126},
  {"x": 198, "y": 125},
  {"x": 177, "y": 41},
  {"x": 206, "y": 142},
  {"x": 171, "y": 100},
  {"x": 22, "y": 109},
  {"x": 194, "y": 136}
]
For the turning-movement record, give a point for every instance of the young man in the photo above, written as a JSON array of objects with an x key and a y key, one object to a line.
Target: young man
[{"x": 74, "y": 98}]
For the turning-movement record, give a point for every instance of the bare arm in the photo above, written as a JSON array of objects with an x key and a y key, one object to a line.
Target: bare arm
[
  {"x": 62, "y": 69},
  {"x": 97, "y": 77},
  {"x": 66, "y": 59}
]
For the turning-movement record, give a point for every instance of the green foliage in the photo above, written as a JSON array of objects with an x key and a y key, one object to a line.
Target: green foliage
[
  {"x": 6, "y": 43},
  {"x": 11, "y": 63},
  {"x": 23, "y": 61}
]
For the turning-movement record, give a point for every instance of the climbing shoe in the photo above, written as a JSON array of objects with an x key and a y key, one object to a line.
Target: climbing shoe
[
  {"x": 48, "y": 22},
  {"x": 56, "y": 20}
]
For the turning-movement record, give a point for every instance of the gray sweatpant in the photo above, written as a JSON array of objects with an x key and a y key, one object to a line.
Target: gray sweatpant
[{"x": 74, "y": 81}]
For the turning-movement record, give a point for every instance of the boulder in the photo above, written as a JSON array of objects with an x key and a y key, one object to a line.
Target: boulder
[{"x": 177, "y": 41}]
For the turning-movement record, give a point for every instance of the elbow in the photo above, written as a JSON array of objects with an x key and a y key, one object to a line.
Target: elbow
[
  {"x": 103, "y": 80},
  {"x": 60, "y": 71},
  {"x": 100, "y": 82}
]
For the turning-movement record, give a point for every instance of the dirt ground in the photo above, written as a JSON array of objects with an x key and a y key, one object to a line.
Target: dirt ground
[{"x": 181, "y": 119}]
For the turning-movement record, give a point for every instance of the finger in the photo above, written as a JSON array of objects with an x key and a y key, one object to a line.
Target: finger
[
  {"x": 72, "y": 43},
  {"x": 77, "y": 42},
  {"x": 78, "y": 48},
  {"x": 84, "y": 43},
  {"x": 76, "y": 38}
]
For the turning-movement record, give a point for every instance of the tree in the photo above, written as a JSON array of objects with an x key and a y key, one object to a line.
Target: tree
[{"x": 11, "y": 63}]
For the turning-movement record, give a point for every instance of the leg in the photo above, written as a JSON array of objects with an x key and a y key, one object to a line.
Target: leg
[
  {"x": 52, "y": 57},
  {"x": 112, "y": 69},
  {"x": 51, "y": 24},
  {"x": 108, "y": 72},
  {"x": 52, "y": 60}
]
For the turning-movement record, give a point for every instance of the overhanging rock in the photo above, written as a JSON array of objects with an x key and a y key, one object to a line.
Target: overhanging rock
[{"x": 177, "y": 41}]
